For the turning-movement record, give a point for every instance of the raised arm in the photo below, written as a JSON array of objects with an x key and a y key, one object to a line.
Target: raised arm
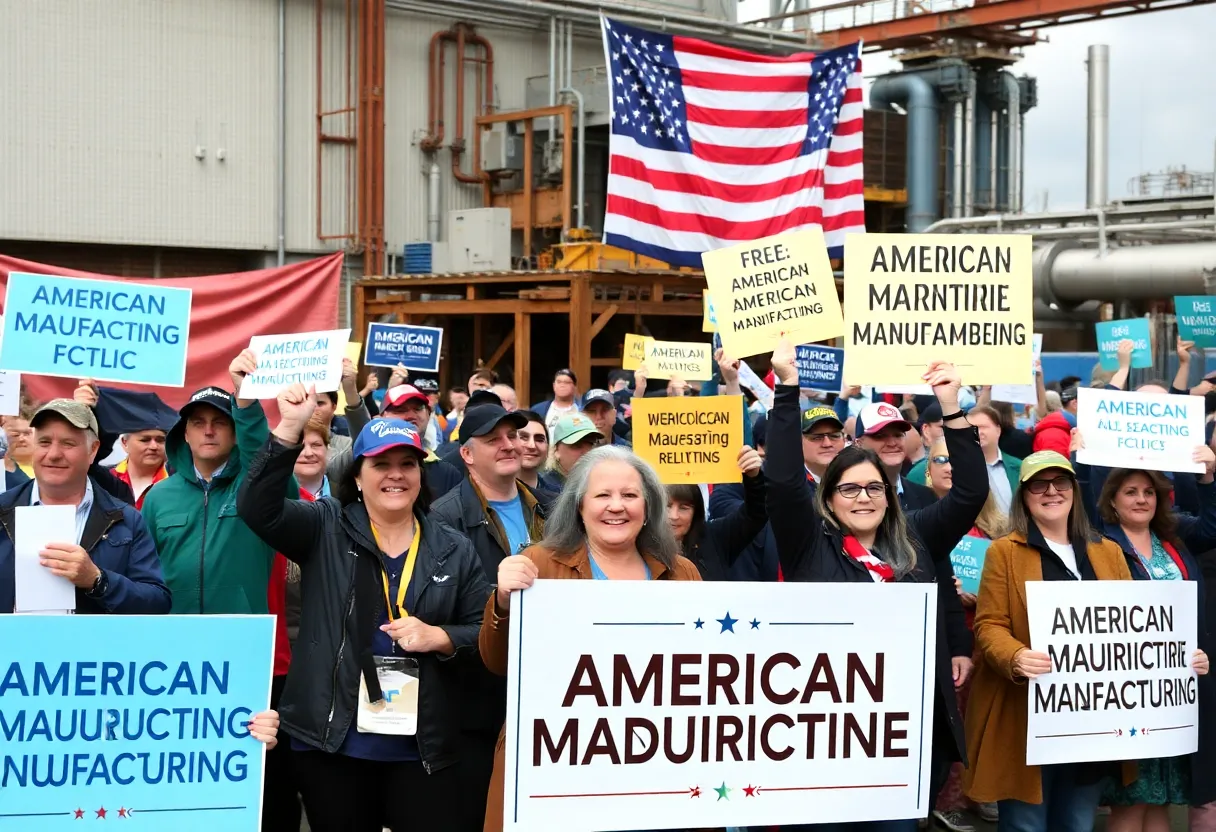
[
  {"x": 943, "y": 524},
  {"x": 735, "y": 530},
  {"x": 791, "y": 508},
  {"x": 1198, "y": 532},
  {"x": 1182, "y": 378},
  {"x": 357, "y": 414},
  {"x": 1119, "y": 380},
  {"x": 289, "y": 526}
]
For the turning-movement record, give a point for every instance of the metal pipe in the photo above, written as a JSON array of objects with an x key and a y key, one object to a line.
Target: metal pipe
[
  {"x": 434, "y": 181},
  {"x": 1021, "y": 161},
  {"x": 582, "y": 154},
  {"x": 992, "y": 158},
  {"x": 916, "y": 96},
  {"x": 1076, "y": 274},
  {"x": 281, "y": 162},
  {"x": 569, "y": 54},
  {"x": 1193, "y": 208},
  {"x": 1012, "y": 168},
  {"x": 969, "y": 146},
  {"x": 1098, "y": 126},
  {"x": 552, "y": 73},
  {"x": 956, "y": 162}
]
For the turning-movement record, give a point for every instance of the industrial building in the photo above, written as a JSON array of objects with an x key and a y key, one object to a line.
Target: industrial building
[{"x": 466, "y": 140}]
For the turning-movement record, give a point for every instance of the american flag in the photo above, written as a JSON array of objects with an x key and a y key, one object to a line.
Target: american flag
[{"x": 713, "y": 146}]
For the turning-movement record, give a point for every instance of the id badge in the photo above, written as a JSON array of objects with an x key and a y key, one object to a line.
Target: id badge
[{"x": 397, "y": 713}]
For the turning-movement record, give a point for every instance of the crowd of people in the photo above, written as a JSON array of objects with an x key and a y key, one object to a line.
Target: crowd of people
[{"x": 387, "y": 536}]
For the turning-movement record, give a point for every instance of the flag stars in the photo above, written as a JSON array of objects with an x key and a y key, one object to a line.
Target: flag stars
[
  {"x": 79, "y": 813},
  {"x": 728, "y": 623}
]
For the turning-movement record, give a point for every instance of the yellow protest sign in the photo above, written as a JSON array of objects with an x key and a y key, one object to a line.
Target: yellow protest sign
[
  {"x": 354, "y": 351},
  {"x": 771, "y": 288},
  {"x": 690, "y": 439},
  {"x": 910, "y": 299},
  {"x": 709, "y": 322},
  {"x": 635, "y": 351},
  {"x": 689, "y": 360}
]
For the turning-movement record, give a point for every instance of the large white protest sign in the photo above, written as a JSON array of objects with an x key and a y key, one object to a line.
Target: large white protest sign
[
  {"x": 313, "y": 359},
  {"x": 10, "y": 393},
  {"x": 1139, "y": 430},
  {"x": 665, "y": 705},
  {"x": 1121, "y": 685}
]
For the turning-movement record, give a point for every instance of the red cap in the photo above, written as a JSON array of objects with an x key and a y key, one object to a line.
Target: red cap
[{"x": 402, "y": 393}]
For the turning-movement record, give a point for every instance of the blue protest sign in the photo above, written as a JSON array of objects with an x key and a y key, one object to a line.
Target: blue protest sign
[
  {"x": 121, "y": 716},
  {"x": 968, "y": 562},
  {"x": 1110, "y": 333},
  {"x": 415, "y": 347},
  {"x": 107, "y": 330},
  {"x": 1196, "y": 319},
  {"x": 819, "y": 368}
]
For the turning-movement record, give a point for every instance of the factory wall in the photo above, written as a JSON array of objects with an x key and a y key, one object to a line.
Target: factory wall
[{"x": 108, "y": 104}]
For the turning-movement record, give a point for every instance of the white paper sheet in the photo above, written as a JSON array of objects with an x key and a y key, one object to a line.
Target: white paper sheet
[{"x": 37, "y": 588}]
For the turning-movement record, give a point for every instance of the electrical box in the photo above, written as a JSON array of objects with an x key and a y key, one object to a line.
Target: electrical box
[
  {"x": 479, "y": 240},
  {"x": 501, "y": 150}
]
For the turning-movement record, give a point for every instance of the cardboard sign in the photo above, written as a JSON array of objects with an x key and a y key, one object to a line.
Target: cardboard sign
[
  {"x": 689, "y": 360},
  {"x": 1196, "y": 316},
  {"x": 1139, "y": 430},
  {"x": 968, "y": 562},
  {"x": 709, "y": 319},
  {"x": 819, "y": 368},
  {"x": 414, "y": 347},
  {"x": 1021, "y": 393},
  {"x": 634, "y": 353},
  {"x": 1110, "y": 333},
  {"x": 690, "y": 439},
  {"x": 354, "y": 351},
  {"x": 689, "y": 704},
  {"x": 772, "y": 288},
  {"x": 147, "y": 712},
  {"x": 100, "y": 329},
  {"x": 10, "y": 393},
  {"x": 308, "y": 358},
  {"x": 1121, "y": 685},
  {"x": 911, "y": 299}
]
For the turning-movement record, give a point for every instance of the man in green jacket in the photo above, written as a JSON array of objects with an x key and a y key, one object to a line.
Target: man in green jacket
[{"x": 213, "y": 562}]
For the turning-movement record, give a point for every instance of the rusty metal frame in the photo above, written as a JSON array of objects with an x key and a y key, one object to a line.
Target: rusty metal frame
[{"x": 348, "y": 137}]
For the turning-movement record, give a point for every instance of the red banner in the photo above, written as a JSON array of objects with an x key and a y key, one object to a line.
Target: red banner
[{"x": 225, "y": 311}]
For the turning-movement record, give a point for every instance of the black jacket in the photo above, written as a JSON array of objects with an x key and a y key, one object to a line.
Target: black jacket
[
  {"x": 724, "y": 538},
  {"x": 812, "y": 550},
  {"x": 484, "y": 694},
  {"x": 916, "y": 496},
  {"x": 343, "y": 600}
]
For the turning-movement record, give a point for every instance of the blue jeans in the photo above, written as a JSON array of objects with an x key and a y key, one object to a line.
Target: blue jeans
[{"x": 1066, "y": 806}]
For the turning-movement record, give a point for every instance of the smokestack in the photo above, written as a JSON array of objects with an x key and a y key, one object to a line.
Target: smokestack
[{"x": 1098, "y": 126}]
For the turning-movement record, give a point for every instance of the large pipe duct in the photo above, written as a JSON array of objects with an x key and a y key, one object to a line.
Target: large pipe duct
[
  {"x": 916, "y": 96},
  {"x": 968, "y": 147},
  {"x": 956, "y": 159},
  {"x": 1098, "y": 126},
  {"x": 1065, "y": 274},
  {"x": 1013, "y": 140}
]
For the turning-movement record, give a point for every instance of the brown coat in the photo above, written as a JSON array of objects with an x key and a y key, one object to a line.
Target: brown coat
[
  {"x": 996, "y": 711},
  {"x": 495, "y": 627}
]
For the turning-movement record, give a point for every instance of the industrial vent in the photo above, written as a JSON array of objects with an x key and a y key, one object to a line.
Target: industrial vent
[{"x": 418, "y": 258}]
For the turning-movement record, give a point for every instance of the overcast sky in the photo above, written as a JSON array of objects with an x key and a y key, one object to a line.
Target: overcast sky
[{"x": 1163, "y": 100}]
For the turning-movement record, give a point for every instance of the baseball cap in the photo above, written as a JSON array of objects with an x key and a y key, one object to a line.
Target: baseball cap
[
  {"x": 572, "y": 427},
  {"x": 216, "y": 397},
  {"x": 480, "y": 420},
  {"x": 874, "y": 417},
  {"x": 380, "y": 435},
  {"x": 1068, "y": 394},
  {"x": 815, "y": 415},
  {"x": 931, "y": 415},
  {"x": 481, "y": 397},
  {"x": 1042, "y": 461},
  {"x": 77, "y": 415},
  {"x": 599, "y": 395},
  {"x": 402, "y": 393},
  {"x": 427, "y": 385}
]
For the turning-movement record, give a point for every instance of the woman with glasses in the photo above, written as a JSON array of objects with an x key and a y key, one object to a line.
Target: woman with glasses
[
  {"x": 853, "y": 530},
  {"x": 1051, "y": 540},
  {"x": 1134, "y": 510},
  {"x": 991, "y": 524}
]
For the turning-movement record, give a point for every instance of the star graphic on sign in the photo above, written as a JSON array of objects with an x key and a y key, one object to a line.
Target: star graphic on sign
[
  {"x": 80, "y": 814},
  {"x": 722, "y": 791},
  {"x": 1133, "y": 732},
  {"x": 699, "y": 624},
  {"x": 695, "y": 791},
  {"x": 750, "y": 791},
  {"x": 101, "y": 813},
  {"x": 727, "y": 623},
  {"x": 755, "y": 624},
  {"x": 122, "y": 813}
]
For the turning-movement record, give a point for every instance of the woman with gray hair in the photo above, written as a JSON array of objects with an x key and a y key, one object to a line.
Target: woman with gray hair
[{"x": 610, "y": 523}]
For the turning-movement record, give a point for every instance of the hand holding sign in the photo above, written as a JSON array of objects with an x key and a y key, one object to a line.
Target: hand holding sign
[
  {"x": 296, "y": 406},
  {"x": 728, "y": 367},
  {"x": 750, "y": 461},
  {"x": 1030, "y": 664},
  {"x": 1124, "y": 353},
  {"x": 783, "y": 364},
  {"x": 67, "y": 560},
  {"x": 1200, "y": 663},
  {"x": 241, "y": 366},
  {"x": 85, "y": 392},
  {"x": 943, "y": 377},
  {"x": 264, "y": 728},
  {"x": 1206, "y": 457},
  {"x": 515, "y": 572}
]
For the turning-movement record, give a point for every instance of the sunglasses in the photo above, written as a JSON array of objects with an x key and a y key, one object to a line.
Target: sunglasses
[
  {"x": 851, "y": 490},
  {"x": 834, "y": 436},
  {"x": 939, "y": 460},
  {"x": 1061, "y": 484}
]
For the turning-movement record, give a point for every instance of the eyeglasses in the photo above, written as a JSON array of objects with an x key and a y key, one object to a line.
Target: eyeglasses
[
  {"x": 939, "y": 460},
  {"x": 834, "y": 436},
  {"x": 851, "y": 490},
  {"x": 1061, "y": 484}
]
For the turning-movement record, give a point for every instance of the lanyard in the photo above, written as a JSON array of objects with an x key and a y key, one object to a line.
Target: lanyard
[{"x": 407, "y": 573}]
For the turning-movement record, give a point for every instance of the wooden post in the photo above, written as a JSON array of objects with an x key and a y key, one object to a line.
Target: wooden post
[
  {"x": 580, "y": 328},
  {"x": 358, "y": 318},
  {"x": 523, "y": 357},
  {"x": 528, "y": 206},
  {"x": 568, "y": 193}
]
